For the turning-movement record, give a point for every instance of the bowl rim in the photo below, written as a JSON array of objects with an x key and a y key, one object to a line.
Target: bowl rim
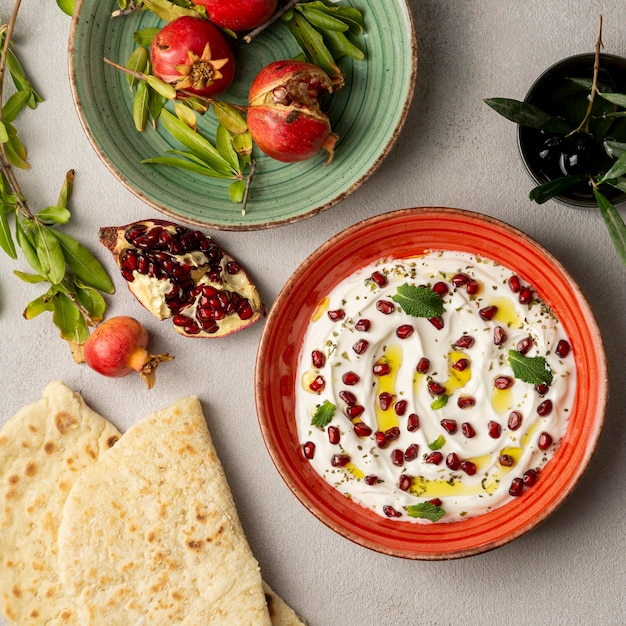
[
  {"x": 275, "y": 376},
  {"x": 574, "y": 59},
  {"x": 160, "y": 206}
]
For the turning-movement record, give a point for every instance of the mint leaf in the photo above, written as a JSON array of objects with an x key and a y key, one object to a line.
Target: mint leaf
[
  {"x": 438, "y": 443},
  {"x": 534, "y": 370},
  {"x": 419, "y": 301},
  {"x": 439, "y": 402},
  {"x": 426, "y": 510},
  {"x": 323, "y": 414}
]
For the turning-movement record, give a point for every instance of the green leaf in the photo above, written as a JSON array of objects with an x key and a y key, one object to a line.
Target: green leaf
[
  {"x": 230, "y": 117},
  {"x": 340, "y": 45},
  {"x": 16, "y": 153},
  {"x": 323, "y": 414},
  {"x": 546, "y": 191},
  {"x": 236, "y": 191},
  {"x": 224, "y": 145},
  {"x": 526, "y": 114},
  {"x": 156, "y": 102},
  {"x": 38, "y": 306},
  {"x": 425, "y": 510},
  {"x": 13, "y": 106},
  {"x": 67, "y": 6},
  {"x": 189, "y": 164},
  {"x": 530, "y": 369},
  {"x": 66, "y": 189},
  {"x": 614, "y": 223},
  {"x": 137, "y": 62},
  {"x": 199, "y": 145},
  {"x": 27, "y": 245},
  {"x": 439, "y": 402},
  {"x": 419, "y": 301},
  {"x": 91, "y": 300},
  {"x": 54, "y": 214},
  {"x": 83, "y": 263},
  {"x": 66, "y": 317},
  {"x": 6, "y": 238},
  {"x": 168, "y": 11},
  {"x": 617, "y": 169},
  {"x": 161, "y": 87},
  {"x": 438, "y": 443},
  {"x": 20, "y": 80},
  {"x": 145, "y": 36},
  {"x": 140, "y": 106},
  {"x": 321, "y": 19},
  {"x": 50, "y": 253},
  {"x": 614, "y": 98},
  {"x": 27, "y": 277}
]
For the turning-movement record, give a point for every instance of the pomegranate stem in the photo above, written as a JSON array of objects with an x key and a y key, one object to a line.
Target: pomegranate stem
[{"x": 277, "y": 15}]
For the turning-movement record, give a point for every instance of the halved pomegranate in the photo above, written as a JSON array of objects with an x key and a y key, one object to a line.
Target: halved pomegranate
[
  {"x": 284, "y": 114},
  {"x": 180, "y": 273}
]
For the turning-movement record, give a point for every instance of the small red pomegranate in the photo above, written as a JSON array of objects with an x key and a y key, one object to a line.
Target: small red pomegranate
[
  {"x": 284, "y": 114},
  {"x": 238, "y": 15},
  {"x": 180, "y": 273},
  {"x": 118, "y": 347},
  {"x": 192, "y": 55}
]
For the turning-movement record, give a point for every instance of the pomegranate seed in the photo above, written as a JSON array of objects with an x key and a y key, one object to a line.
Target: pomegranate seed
[
  {"x": 542, "y": 389},
  {"x": 404, "y": 331},
  {"x": 545, "y": 408},
  {"x": 434, "y": 457},
  {"x": 405, "y": 482},
  {"x": 384, "y": 400},
  {"x": 336, "y": 314},
  {"x": 562, "y": 348},
  {"x": 381, "y": 440},
  {"x": 128, "y": 275},
  {"x": 499, "y": 335},
  {"x": 517, "y": 486},
  {"x": 465, "y": 341},
  {"x": 434, "y": 501},
  {"x": 494, "y": 429},
  {"x": 544, "y": 441},
  {"x": 530, "y": 477},
  {"x": 459, "y": 280},
  {"x": 371, "y": 479},
  {"x": 379, "y": 278},
  {"x": 506, "y": 460},
  {"x": 361, "y": 346},
  {"x": 515, "y": 420},
  {"x": 453, "y": 462},
  {"x": 339, "y": 460},
  {"x": 389, "y": 511},
  {"x": 437, "y": 322},
  {"x": 473, "y": 287},
  {"x": 461, "y": 365},
  {"x": 413, "y": 423},
  {"x": 422, "y": 365},
  {"x": 410, "y": 454},
  {"x": 334, "y": 435},
  {"x": 466, "y": 402},
  {"x": 525, "y": 295},
  {"x": 385, "y": 306},
  {"x": 515, "y": 284},
  {"x": 435, "y": 388},
  {"x": 449, "y": 425},
  {"x": 468, "y": 467},
  {"x": 232, "y": 267},
  {"x": 502, "y": 382},
  {"x": 348, "y": 397},
  {"x": 361, "y": 429},
  {"x": 441, "y": 288},
  {"x": 397, "y": 457},
  {"x": 350, "y": 378},
  {"x": 468, "y": 430},
  {"x": 354, "y": 411},
  {"x": 393, "y": 433},
  {"x": 363, "y": 325},
  {"x": 400, "y": 407},
  {"x": 381, "y": 369},
  {"x": 308, "y": 449},
  {"x": 488, "y": 313},
  {"x": 318, "y": 358},
  {"x": 524, "y": 345},
  {"x": 318, "y": 384}
]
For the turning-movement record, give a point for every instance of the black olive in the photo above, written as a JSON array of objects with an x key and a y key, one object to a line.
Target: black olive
[{"x": 578, "y": 154}]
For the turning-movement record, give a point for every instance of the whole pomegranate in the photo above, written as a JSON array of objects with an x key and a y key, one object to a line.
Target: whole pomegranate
[
  {"x": 284, "y": 114},
  {"x": 180, "y": 273},
  {"x": 192, "y": 55},
  {"x": 118, "y": 347},
  {"x": 238, "y": 15}
]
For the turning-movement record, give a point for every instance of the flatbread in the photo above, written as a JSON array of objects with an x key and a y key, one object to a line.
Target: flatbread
[
  {"x": 280, "y": 612},
  {"x": 151, "y": 534},
  {"x": 44, "y": 447}
]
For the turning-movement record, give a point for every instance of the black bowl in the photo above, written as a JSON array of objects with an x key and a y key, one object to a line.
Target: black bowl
[{"x": 555, "y": 93}]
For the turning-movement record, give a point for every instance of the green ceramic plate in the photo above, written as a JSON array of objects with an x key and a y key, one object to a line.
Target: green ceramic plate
[{"x": 367, "y": 114}]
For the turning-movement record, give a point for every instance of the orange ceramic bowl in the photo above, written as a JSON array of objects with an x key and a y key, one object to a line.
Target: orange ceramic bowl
[{"x": 401, "y": 234}]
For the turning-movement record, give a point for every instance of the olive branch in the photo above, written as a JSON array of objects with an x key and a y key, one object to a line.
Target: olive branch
[{"x": 75, "y": 278}]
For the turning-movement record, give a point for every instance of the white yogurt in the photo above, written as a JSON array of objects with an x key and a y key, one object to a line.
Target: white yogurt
[{"x": 486, "y": 439}]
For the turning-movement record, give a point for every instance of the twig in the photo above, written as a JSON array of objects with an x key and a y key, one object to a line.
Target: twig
[
  {"x": 594, "y": 83},
  {"x": 249, "y": 178},
  {"x": 277, "y": 15}
]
